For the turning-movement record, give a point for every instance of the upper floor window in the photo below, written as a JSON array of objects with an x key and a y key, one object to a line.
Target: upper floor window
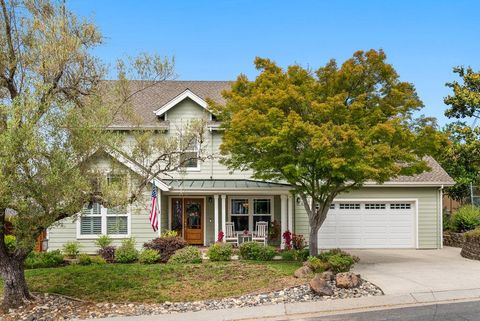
[{"x": 189, "y": 157}]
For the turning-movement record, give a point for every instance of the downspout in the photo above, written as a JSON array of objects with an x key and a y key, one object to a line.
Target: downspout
[{"x": 440, "y": 217}]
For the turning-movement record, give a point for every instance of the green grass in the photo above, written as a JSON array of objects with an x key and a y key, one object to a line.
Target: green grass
[{"x": 162, "y": 282}]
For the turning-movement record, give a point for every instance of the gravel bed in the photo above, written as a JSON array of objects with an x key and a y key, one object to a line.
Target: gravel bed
[{"x": 53, "y": 307}]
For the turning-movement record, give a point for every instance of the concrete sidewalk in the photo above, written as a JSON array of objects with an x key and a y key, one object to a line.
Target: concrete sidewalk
[{"x": 295, "y": 311}]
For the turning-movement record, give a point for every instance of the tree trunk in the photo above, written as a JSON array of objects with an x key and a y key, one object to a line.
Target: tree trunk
[
  {"x": 313, "y": 240},
  {"x": 15, "y": 290}
]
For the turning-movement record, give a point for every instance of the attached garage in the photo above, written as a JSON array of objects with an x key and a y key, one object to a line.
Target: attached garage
[{"x": 370, "y": 224}]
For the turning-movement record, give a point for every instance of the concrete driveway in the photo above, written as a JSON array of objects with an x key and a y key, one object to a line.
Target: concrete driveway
[{"x": 407, "y": 271}]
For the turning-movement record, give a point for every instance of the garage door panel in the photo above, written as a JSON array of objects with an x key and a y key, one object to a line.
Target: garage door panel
[{"x": 375, "y": 224}]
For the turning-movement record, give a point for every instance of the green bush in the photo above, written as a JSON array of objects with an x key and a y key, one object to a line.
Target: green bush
[
  {"x": 317, "y": 265},
  {"x": 220, "y": 252},
  {"x": 126, "y": 253},
  {"x": 85, "y": 259},
  {"x": 466, "y": 218},
  {"x": 71, "y": 249},
  {"x": 340, "y": 263},
  {"x": 189, "y": 254},
  {"x": 447, "y": 222},
  {"x": 256, "y": 251},
  {"x": 149, "y": 256},
  {"x": 474, "y": 234},
  {"x": 302, "y": 255},
  {"x": 288, "y": 255},
  {"x": 10, "y": 243},
  {"x": 103, "y": 241},
  {"x": 37, "y": 260},
  {"x": 169, "y": 233}
]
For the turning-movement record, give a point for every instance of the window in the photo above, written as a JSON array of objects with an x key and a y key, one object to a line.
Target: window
[
  {"x": 239, "y": 210},
  {"x": 375, "y": 206},
  {"x": 189, "y": 157},
  {"x": 332, "y": 206},
  {"x": 400, "y": 206},
  {"x": 245, "y": 212},
  {"x": 349, "y": 206},
  {"x": 98, "y": 220}
]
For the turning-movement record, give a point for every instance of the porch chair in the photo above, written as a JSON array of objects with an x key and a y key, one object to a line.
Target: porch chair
[
  {"x": 230, "y": 235},
  {"x": 261, "y": 233}
]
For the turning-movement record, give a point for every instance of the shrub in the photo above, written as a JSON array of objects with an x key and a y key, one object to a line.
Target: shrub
[
  {"x": 169, "y": 233},
  {"x": 317, "y": 265},
  {"x": 85, "y": 259},
  {"x": 189, "y": 254},
  {"x": 220, "y": 252},
  {"x": 288, "y": 255},
  {"x": 107, "y": 253},
  {"x": 37, "y": 260},
  {"x": 126, "y": 253},
  {"x": 10, "y": 243},
  {"x": 166, "y": 246},
  {"x": 257, "y": 252},
  {"x": 103, "y": 241},
  {"x": 301, "y": 255},
  {"x": 298, "y": 241},
  {"x": 447, "y": 222},
  {"x": 466, "y": 218},
  {"x": 474, "y": 234},
  {"x": 148, "y": 256},
  {"x": 340, "y": 263},
  {"x": 71, "y": 249},
  {"x": 324, "y": 256}
]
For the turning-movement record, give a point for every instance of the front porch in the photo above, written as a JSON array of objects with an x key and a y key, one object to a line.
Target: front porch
[{"x": 199, "y": 209}]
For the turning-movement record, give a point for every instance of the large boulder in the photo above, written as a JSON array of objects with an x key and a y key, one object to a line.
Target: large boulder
[
  {"x": 348, "y": 280},
  {"x": 303, "y": 272},
  {"x": 320, "y": 286}
]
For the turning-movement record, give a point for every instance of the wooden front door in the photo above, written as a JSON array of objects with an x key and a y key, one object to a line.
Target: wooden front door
[{"x": 187, "y": 219}]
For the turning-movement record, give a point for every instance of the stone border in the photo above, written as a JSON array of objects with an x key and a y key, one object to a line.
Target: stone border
[
  {"x": 471, "y": 248},
  {"x": 453, "y": 239}
]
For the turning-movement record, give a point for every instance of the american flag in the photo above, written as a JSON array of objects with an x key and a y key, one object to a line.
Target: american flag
[{"x": 153, "y": 211}]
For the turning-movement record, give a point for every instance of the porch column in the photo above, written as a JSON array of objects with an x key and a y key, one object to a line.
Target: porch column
[
  {"x": 215, "y": 216},
  {"x": 283, "y": 221},
  {"x": 290, "y": 213},
  {"x": 224, "y": 213}
]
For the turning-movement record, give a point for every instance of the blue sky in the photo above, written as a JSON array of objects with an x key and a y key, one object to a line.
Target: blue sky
[{"x": 217, "y": 40}]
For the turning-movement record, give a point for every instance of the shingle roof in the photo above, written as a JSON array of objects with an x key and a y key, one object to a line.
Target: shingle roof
[
  {"x": 436, "y": 175},
  {"x": 158, "y": 94}
]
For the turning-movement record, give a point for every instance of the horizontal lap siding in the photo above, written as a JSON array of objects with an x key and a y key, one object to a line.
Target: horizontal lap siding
[{"x": 428, "y": 211}]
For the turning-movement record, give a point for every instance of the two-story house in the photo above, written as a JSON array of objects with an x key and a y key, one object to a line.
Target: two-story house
[{"x": 403, "y": 213}]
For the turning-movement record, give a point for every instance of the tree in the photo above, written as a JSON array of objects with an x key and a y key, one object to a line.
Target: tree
[
  {"x": 326, "y": 132},
  {"x": 461, "y": 158},
  {"x": 54, "y": 114}
]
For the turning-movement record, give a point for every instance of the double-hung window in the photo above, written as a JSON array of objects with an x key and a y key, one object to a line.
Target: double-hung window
[
  {"x": 246, "y": 211},
  {"x": 189, "y": 156},
  {"x": 97, "y": 220}
]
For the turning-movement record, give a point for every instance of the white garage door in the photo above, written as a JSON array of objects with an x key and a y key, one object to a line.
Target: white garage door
[{"x": 372, "y": 224}]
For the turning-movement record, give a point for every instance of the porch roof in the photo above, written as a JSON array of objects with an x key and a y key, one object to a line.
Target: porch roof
[{"x": 222, "y": 184}]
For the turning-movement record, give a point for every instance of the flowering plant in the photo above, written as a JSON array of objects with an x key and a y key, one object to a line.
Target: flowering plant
[
  {"x": 220, "y": 236},
  {"x": 287, "y": 237}
]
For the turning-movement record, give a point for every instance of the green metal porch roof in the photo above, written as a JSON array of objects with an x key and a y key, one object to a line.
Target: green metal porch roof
[{"x": 222, "y": 184}]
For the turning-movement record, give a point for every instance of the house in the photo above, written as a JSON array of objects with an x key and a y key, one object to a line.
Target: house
[{"x": 405, "y": 212}]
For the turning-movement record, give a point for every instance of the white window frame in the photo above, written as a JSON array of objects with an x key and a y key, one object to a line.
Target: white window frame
[
  {"x": 197, "y": 151},
  {"x": 251, "y": 213},
  {"x": 104, "y": 215}
]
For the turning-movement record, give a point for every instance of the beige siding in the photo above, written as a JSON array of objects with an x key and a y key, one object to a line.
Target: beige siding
[{"x": 429, "y": 231}]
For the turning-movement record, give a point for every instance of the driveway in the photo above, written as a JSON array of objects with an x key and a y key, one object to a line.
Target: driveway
[{"x": 407, "y": 271}]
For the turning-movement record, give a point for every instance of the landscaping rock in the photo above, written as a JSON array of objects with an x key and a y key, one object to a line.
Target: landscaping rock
[
  {"x": 55, "y": 307},
  {"x": 303, "y": 272},
  {"x": 347, "y": 280},
  {"x": 320, "y": 286},
  {"x": 327, "y": 275}
]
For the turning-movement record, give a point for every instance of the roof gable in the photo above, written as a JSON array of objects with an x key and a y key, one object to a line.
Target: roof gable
[{"x": 179, "y": 98}]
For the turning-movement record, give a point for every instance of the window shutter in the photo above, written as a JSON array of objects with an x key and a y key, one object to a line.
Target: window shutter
[
  {"x": 91, "y": 225},
  {"x": 117, "y": 225}
]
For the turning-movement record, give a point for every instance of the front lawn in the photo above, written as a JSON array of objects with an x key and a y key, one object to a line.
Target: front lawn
[{"x": 162, "y": 282}]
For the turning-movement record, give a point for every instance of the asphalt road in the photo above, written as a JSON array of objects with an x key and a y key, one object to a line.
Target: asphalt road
[{"x": 463, "y": 311}]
